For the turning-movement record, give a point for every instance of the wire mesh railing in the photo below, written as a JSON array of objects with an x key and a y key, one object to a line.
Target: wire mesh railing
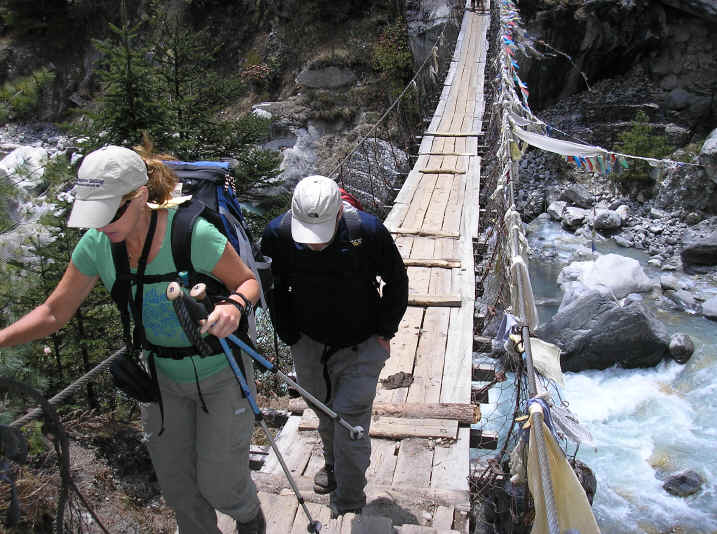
[{"x": 525, "y": 399}]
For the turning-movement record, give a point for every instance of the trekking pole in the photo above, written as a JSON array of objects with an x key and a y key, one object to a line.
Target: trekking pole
[
  {"x": 179, "y": 299},
  {"x": 199, "y": 293}
]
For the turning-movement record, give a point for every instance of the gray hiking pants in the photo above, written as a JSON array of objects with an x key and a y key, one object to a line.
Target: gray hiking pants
[
  {"x": 202, "y": 459},
  {"x": 353, "y": 375}
]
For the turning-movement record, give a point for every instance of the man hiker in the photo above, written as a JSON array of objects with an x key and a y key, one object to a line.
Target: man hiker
[{"x": 329, "y": 307}]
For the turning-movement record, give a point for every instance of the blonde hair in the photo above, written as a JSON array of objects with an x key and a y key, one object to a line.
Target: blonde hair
[{"x": 162, "y": 179}]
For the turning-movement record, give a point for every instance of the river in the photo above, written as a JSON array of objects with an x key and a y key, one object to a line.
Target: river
[{"x": 646, "y": 423}]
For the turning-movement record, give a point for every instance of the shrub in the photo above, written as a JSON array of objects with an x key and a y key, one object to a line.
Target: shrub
[
  {"x": 22, "y": 97},
  {"x": 640, "y": 141}
]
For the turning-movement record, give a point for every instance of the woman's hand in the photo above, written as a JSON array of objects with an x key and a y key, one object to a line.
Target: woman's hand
[{"x": 223, "y": 320}]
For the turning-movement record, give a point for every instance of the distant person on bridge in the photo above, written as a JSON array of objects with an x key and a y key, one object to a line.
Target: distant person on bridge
[
  {"x": 327, "y": 306},
  {"x": 201, "y": 457}
]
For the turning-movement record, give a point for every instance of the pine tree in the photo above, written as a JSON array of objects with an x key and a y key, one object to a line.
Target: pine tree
[{"x": 130, "y": 101}]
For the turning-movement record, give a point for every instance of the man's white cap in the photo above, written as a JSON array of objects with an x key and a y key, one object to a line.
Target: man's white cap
[
  {"x": 314, "y": 208},
  {"x": 105, "y": 176}
]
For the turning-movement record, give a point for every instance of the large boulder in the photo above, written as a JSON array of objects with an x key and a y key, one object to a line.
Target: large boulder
[
  {"x": 699, "y": 246},
  {"x": 595, "y": 331},
  {"x": 610, "y": 273}
]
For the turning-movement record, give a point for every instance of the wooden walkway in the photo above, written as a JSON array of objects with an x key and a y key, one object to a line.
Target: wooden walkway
[{"x": 418, "y": 478}]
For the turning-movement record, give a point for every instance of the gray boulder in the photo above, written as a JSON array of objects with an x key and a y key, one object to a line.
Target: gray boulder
[
  {"x": 596, "y": 332},
  {"x": 681, "y": 347},
  {"x": 607, "y": 220},
  {"x": 577, "y": 195},
  {"x": 683, "y": 483},
  {"x": 573, "y": 217},
  {"x": 556, "y": 209},
  {"x": 699, "y": 246}
]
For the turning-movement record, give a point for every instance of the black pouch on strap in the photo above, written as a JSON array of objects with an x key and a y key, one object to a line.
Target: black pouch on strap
[{"x": 133, "y": 380}]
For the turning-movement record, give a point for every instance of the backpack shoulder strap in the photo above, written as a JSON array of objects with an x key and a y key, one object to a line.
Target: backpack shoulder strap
[
  {"x": 353, "y": 222},
  {"x": 182, "y": 225},
  {"x": 285, "y": 226}
]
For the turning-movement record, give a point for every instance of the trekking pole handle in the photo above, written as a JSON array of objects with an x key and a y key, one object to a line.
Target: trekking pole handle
[{"x": 197, "y": 311}]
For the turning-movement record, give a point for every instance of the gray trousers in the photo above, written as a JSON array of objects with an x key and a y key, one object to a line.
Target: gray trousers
[
  {"x": 353, "y": 375},
  {"x": 202, "y": 459}
]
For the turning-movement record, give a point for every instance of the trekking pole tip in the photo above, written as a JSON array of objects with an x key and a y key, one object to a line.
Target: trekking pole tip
[
  {"x": 357, "y": 432},
  {"x": 314, "y": 526}
]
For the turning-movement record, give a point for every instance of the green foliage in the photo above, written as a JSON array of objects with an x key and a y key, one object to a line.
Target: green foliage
[
  {"x": 129, "y": 103},
  {"x": 22, "y": 97},
  {"x": 392, "y": 56},
  {"x": 94, "y": 331},
  {"x": 640, "y": 141}
]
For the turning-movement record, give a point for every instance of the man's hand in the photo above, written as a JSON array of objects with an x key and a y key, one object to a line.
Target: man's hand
[{"x": 385, "y": 343}]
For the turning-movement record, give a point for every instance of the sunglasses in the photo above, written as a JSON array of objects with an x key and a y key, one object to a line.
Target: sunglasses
[{"x": 120, "y": 212}]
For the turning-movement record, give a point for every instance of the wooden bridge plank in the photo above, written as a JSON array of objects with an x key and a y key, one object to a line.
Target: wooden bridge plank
[
  {"x": 403, "y": 354},
  {"x": 440, "y": 282},
  {"x": 422, "y": 198},
  {"x": 455, "y": 206},
  {"x": 318, "y": 512},
  {"x": 383, "y": 462},
  {"x": 456, "y": 385},
  {"x": 396, "y": 427},
  {"x": 423, "y": 247},
  {"x": 443, "y": 518},
  {"x": 428, "y": 368},
  {"x": 413, "y": 457},
  {"x": 451, "y": 465},
  {"x": 404, "y": 244},
  {"x": 280, "y": 512},
  {"x": 433, "y": 220},
  {"x": 418, "y": 280},
  {"x": 366, "y": 524}
]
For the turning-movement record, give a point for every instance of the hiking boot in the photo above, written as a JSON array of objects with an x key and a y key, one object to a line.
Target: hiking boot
[
  {"x": 254, "y": 526},
  {"x": 324, "y": 480},
  {"x": 335, "y": 513}
]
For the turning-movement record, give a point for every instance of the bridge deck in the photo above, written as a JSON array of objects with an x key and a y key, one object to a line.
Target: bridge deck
[{"x": 418, "y": 478}]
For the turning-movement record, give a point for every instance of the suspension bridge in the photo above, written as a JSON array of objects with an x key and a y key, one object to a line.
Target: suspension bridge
[
  {"x": 461, "y": 239},
  {"x": 421, "y": 428}
]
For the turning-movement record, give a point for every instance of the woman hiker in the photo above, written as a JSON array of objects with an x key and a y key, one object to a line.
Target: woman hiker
[{"x": 199, "y": 445}]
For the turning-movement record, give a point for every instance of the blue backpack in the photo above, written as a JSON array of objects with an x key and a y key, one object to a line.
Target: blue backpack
[{"x": 213, "y": 200}]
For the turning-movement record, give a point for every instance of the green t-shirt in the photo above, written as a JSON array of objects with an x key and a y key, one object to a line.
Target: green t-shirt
[{"x": 93, "y": 256}]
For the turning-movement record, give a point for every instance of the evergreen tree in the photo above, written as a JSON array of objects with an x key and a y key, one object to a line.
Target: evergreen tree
[
  {"x": 131, "y": 100},
  {"x": 92, "y": 333}
]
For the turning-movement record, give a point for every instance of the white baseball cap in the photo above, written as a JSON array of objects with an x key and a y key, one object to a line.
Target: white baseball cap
[
  {"x": 104, "y": 177},
  {"x": 314, "y": 208}
]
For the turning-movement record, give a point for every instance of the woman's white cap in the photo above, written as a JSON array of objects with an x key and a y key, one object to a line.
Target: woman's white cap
[
  {"x": 314, "y": 208},
  {"x": 104, "y": 177}
]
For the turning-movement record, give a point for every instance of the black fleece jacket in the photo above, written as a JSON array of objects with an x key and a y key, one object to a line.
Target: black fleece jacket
[{"x": 332, "y": 295}]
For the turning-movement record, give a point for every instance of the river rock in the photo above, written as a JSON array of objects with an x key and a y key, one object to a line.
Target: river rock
[
  {"x": 556, "y": 208},
  {"x": 683, "y": 483},
  {"x": 611, "y": 273},
  {"x": 607, "y": 220},
  {"x": 595, "y": 331},
  {"x": 682, "y": 300},
  {"x": 699, "y": 250},
  {"x": 577, "y": 195},
  {"x": 681, "y": 347},
  {"x": 709, "y": 308},
  {"x": 573, "y": 217}
]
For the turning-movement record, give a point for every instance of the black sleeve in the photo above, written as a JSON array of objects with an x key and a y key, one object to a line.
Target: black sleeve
[
  {"x": 279, "y": 298},
  {"x": 391, "y": 269}
]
